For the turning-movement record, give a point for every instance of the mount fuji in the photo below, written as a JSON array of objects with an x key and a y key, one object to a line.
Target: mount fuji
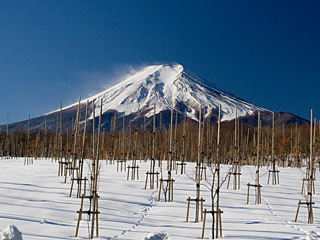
[{"x": 163, "y": 86}]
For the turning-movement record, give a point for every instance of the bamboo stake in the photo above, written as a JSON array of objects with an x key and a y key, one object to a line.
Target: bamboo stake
[
  {"x": 170, "y": 157},
  {"x": 83, "y": 150},
  {"x": 93, "y": 130},
  {"x": 310, "y": 212},
  {"x": 113, "y": 138},
  {"x": 61, "y": 155},
  {"x": 153, "y": 161},
  {"x": 273, "y": 148},
  {"x": 74, "y": 148},
  {"x": 95, "y": 169},
  {"x": 258, "y": 161},
  {"x": 183, "y": 144},
  {"x": 218, "y": 173},
  {"x": 123, "y": 155},
  {"x": 198, "y": 169}
]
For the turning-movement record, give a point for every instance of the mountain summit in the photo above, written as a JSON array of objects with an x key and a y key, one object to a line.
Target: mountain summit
[{"x": 164, "y": 86}]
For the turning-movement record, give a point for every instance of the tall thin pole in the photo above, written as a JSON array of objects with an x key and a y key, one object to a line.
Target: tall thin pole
[
  {"x": 184, "y": 142},
  {"x": 95, "y": 169},
  {"x": 175, "y": 134},
  {"x": 45, "y": 126},
  {"x": 218, "y": 172},
  {"x": 258, "y": 159},
  {"x": 74, "y": 147},
  {"x": 28, "y": 143},
  {"x": 123, "y": 157},
  {"x": 82, "y": 148},
  {"x": 7, "y": 138},
  {"x": 310, "y": 187},
  {"x": 113, "y": 138},
  {"x": 7, "y": 124},
  {"x": 170, "y": 143},
  {"x": 153, "y": 162},
  {"x": 198, "y": 170},
  {"x": 235, "y": 159},
  {"x": 93, "y": 130},
  {"x": 61, "y": 130},
  {"x": 29, "y": 128},
  {"x": 170, "y": 158},
  {"x": 272, "y": 153},
  {"x": 76, "y": 130}
]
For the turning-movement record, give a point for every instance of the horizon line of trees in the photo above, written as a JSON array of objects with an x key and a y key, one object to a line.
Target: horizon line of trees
[{"x": 291, "y": 142}]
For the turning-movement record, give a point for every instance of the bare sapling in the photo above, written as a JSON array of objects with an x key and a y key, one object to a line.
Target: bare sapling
[
  {"x": 28, "y": 159},
  {"x": 214, "y": 185},
  {"x": 113, "y": 128},
  {"x": 166, "y": 185},
  {"x": 74, "y": 166},
  {"x": 197, "y": 179},
  {"x": 134, "y": 149},
  {"x": 93, "y": 211},
  {"x": 122, "y": 161},
  {"x": 236, "y": 167},
  {"x": 81, "y": 162},
  {"x": 310, "y": 178},
  {"x": 152, "y": 173},
  {"x": 183, "y": 163},
  {"x": 198, "y": 170},
  {"x": 257, "y": 185},
  {"x": 274, "y": 171}
]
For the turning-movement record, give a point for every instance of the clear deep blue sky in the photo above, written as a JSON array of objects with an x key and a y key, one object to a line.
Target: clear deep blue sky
[{"x": 267, "y": 52}]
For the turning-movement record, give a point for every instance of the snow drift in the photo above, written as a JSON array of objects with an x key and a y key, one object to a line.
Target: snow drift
[
  {"x": 11, "y": 233},
  {"x": 158, "y": 236}
]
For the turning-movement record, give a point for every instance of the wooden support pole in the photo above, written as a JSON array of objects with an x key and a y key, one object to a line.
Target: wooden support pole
[
  {"x": 73, "y": 168},
  {"x": 310, "y": 185},
  {"x": 298, "y": 208},
  {"x": 160, "y": 189},
  {"x": 248, "y": 191},
  {"x": 218, "y": 222},
  {"x": 202, "y": 200},
  {"x": 79, "y": 216},
  {"x": 146, "y": 183},
  {"x": 198, "y": 168},
  {"x": 204, "y": 223},
  {"x": 188, "y": 207},
  {"x": 128, "y": 172},
  {"x": 258, "y": 197},
  {"x": 95, "y": 169},
  {"x": 83, "y": 150},
  {"x": 218, "y": 171}
]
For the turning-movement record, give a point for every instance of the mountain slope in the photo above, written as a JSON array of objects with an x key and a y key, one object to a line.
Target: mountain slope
[
  {"x": 161, "y": 85},
  {"x": 165, "y": 85}
]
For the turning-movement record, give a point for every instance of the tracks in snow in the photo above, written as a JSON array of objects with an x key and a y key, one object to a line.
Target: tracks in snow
[
  {"x": 309, "y": 235},
  {"x": 144, "y": 213}
]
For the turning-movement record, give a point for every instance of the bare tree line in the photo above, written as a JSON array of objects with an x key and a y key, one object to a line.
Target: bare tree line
[{"x": 291, "y": 143}]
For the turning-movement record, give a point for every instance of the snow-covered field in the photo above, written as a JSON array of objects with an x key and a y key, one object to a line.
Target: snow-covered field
[{"x": 37, "y": 202}]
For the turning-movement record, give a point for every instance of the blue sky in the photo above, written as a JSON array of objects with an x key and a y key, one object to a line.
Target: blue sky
[{"x": 267, "y": 52}]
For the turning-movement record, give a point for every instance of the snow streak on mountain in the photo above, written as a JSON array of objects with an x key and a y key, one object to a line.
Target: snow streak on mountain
[{"x": 167, "y": 85}]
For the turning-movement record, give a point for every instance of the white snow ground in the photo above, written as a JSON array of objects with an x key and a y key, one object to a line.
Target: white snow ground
[{"x": 35, "y": 199}]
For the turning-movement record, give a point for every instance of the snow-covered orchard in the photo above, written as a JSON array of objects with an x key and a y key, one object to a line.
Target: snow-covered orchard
[{"x": 35, "y": 200}]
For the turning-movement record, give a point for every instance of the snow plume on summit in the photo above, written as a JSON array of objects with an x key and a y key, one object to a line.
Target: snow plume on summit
[
  {"x": 91, "y": 82},
  {"x": 167, "y": 85}
]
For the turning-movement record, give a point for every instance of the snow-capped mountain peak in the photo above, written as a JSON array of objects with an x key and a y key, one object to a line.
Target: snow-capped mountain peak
[
  {"x": 167, "y": 85},
  {"x": 163, "y": 86}
]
